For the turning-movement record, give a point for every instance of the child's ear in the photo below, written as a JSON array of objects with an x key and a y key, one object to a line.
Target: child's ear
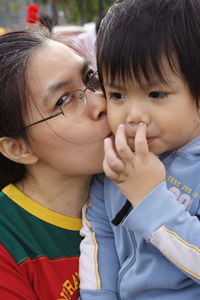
[{"x": 17, "y": 150}]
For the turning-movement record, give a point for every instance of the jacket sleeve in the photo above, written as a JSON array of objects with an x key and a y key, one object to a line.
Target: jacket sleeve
[
  {"x": 170, "y": 228},
  {"x": 13, "y": 284},
  {"x": 99, "y": 264}
]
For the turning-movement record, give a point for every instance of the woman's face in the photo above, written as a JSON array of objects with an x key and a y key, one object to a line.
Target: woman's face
[{"x": 72, "y": 147}]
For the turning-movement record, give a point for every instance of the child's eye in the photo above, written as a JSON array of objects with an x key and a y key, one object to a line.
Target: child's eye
[
  {"x": 157, "y": 95},
  {"x": 116, "y": 97}
]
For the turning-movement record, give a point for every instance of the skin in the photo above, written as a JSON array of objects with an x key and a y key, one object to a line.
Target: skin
[
  {"x": 64, "y": 152},
  {"x": 146, "y": 122}
]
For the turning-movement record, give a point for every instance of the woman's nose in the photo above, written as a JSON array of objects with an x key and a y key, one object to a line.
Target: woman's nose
[{"x": 96, "y": 105}]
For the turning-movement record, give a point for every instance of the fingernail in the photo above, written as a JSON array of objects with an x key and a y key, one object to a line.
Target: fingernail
[
  {"x": 142, "y": 124},
  {"x": 121, "y": 126},
  {"x": 106, "y": 141}
]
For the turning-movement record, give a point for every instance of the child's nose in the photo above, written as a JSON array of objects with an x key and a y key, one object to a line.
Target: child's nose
[{"x": 137, "y": 113}]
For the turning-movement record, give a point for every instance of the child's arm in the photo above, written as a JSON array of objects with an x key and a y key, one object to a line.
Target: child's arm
[
  {"x": 99, "y": 264},
  {"x": 141, "y": 177},
  {"x": 169, "y": 228}
]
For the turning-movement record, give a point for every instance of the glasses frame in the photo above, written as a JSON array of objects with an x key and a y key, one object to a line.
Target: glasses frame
[{"x": 61, "y": 110}]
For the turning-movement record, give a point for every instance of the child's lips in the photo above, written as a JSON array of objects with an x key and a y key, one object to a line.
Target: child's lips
[
  {"x": 131, "y": 141},
  {"x": 149, "y": 139}
]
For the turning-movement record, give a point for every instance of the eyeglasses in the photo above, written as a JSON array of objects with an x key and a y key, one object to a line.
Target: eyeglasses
[{"x": 75, "y": 102}]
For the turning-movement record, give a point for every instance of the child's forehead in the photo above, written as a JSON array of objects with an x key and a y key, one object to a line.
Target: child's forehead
[
  {"x": 150, "y": 76},
  {"x": 143, "y": 83}
]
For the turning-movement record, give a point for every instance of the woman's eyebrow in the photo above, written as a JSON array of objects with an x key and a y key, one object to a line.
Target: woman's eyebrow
[
  {"x": 86, "y": 65},
  {"x": 52, "y": 89},
  {"x": 62, "y": 84},
  {"x": 56, "y": 87}
]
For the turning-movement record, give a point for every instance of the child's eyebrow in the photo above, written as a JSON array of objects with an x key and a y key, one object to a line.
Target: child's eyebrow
[
  {"x": 157, "y": 83},
  {"x": 113, "y": 85},
  {"x": 144, "y": 85},
  {"x": 153, "y": 84}
]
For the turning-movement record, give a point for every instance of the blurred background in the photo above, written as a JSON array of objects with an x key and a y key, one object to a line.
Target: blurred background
[
  {"x": 74, "y": 21},
  {"x": 78, "y": 12}
]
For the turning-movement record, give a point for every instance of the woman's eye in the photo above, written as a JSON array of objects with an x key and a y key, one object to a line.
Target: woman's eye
[
  {"x": 92, "y": 81},
  {"x": 63, "y": 99},
  {"x": 157, "y": 95},
  {"x": 90, "y": 76},
  {"x": 116, "y": 97}
]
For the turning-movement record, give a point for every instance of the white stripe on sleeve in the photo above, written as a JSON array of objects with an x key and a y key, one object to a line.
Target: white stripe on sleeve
[{"x": 186, "y": 256}]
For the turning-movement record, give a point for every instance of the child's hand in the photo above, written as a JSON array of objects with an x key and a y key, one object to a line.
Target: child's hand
[{"x": 135, "y": 173}]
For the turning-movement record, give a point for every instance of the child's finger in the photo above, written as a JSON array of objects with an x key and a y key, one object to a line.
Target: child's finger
[
  {"x": 109, "y": 172},
  {"x": 122, "y": 148},
  {"x": 141, "y": 145},
  {"x": 113, "y": 161}
]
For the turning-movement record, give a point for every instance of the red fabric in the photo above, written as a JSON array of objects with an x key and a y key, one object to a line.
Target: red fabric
[{"x": 39, "y": 278}]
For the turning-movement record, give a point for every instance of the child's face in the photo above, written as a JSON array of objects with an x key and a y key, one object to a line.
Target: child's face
[{"x": 168, "y": 110}]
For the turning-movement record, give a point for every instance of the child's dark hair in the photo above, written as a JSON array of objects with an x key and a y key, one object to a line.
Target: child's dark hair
[
  {"x": 47, "y": 21},
  {"x": 16, "y": 48},
  {"x": 136, "y": 35}
]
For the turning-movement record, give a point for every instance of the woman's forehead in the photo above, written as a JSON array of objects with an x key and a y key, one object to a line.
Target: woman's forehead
[
  {"x": 54, "y": 60},
  {"x": 57, "y": 54},
  {"x": 52, "y": 65}
]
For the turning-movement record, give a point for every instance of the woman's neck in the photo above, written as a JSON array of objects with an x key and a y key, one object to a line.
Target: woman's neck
[{"x": 66, "y": 196}]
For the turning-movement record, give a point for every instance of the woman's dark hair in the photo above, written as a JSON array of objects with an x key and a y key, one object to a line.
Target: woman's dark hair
[
  {"x": 136, "y": 35},
  {"x": 16, "y": 48}
]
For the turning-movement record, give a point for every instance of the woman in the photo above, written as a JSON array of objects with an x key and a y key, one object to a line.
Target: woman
[{"x": 51, "y": 143}]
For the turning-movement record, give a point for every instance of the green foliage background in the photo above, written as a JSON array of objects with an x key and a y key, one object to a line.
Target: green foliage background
[
  {"x": 80, "y": 11},
  {"x": 13, "y": 12}
]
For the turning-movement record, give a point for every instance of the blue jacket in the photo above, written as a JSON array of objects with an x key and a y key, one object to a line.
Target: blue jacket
[{"x": 155, "y": 252}]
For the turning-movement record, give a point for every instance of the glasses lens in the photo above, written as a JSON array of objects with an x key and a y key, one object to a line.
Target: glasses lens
[{"x": 74, "y": 104}]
